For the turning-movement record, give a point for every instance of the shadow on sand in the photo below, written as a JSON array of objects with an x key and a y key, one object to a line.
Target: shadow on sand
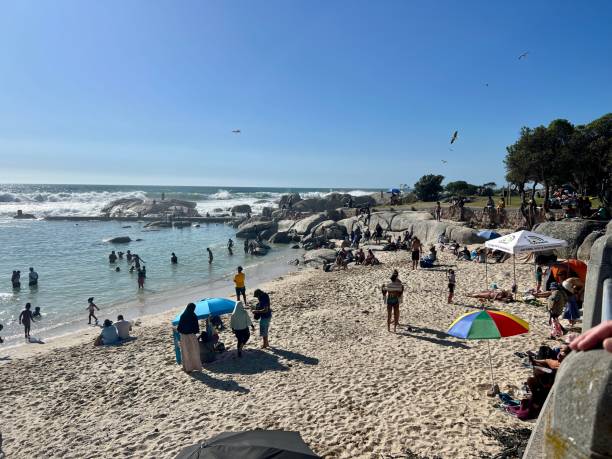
[
  {"x": 255, "y": 361},
  {"x": 218, "y": 384},
  {"x": 439, "y": 337},
  {"x": 290, "y": 355}
]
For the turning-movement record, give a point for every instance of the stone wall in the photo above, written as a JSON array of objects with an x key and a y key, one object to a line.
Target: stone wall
[{"x": 482, "y": 217}]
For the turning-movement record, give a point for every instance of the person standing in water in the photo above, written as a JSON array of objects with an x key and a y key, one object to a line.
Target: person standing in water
[
  {"x": 33, "y": 276},
  {"x": 173, "y": 259},
  {"x": 246, "y": 245},
  {"x": 91, "y": 307},
  {"x": 239, "y": 284},
  {"x": 128, "y": 256},
  {"x": 142, "y": 275},
  {"x": 210, "y": 255},
  {"x": 25, "y": 319},
  {"x": 16, "y": 279},
  {"x": 230, "y": 246},
  {"x": 112, "y": 258}
]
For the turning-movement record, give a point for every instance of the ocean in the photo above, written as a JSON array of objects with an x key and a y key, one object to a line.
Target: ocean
[{"x": 72, "y": 258}]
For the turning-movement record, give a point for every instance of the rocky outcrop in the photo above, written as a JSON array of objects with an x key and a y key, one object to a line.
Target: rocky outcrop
[
  {"x": 252, "y": 229},
  {"x": 285, "y": 225},
  {"x": 137, "y": 207},
  {"x": 282, "y": 237},
  {"x": 329, "y": 229},
  {"x": 584, "y": 251},
  {"x": 21, "y": 215},
  {"x": 241, "y": 209},
  {"x": 159, "y": 224},
  {"x": 181, "y": 224},
  {"x": 119, "y": 240},
  {"x": 319, "y": 256},
  {"x": 267, "y": 212},
  {"x": 332, "y": 201},
  {"x": 305, "y": 225},
  {"x": 349, "y": 223},
  {"x": 288, "y": 200},
  {"x": 572, "y": 231},
  {"x": 403, "y": 220}
]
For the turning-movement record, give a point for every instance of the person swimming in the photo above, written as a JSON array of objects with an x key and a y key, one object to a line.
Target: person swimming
[{"x": 36, "y": 315}]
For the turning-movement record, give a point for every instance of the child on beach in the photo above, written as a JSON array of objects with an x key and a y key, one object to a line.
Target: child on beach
[
  {"x": 36, "y": 315},
  {"x": 25, "y": 318},
  {"x": 91, "y": 307},
  {"x": 451, "y": 285},
  {"x": 142, "y": 275},
  {"x": 538, "y": 276}
]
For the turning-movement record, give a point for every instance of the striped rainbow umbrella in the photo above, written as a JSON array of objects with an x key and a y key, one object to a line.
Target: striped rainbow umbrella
[{"x": 487, "y": 324}]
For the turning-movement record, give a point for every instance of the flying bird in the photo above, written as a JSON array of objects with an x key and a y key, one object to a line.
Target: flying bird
[
  {"x": 236, "y": 131},
  {"x": 454, "y": 137},
  {"x": 444, "y": 161},
  {"x": 524, "y": 55}
]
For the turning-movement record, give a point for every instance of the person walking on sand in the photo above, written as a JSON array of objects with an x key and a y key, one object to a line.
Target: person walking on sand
[
  {"x": 392, "y": 296},
  {"x": 263, "y": 312},
  {"x": 91, "y": 307},
  {"x": 450, "y": 274},
  {"x": 240, "y": 323},
  {"x": 239, "y": 284},
  {"x": 33, "y": 276},
  {"x": 416, "y": 247},
  {"x": 25, "y": 319},
  {"x": 210, "y": 255},
  {"x": 189, "y": 329},
  {"x": 142, "y": 275}
]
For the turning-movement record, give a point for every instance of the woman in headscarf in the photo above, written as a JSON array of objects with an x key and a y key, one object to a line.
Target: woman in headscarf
[
  {"x": 240, "y": 322},
  {"x": 189, "y": 329}
]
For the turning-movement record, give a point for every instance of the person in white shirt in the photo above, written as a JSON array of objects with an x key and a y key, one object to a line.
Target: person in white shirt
[{"x": 123, "y": 327}]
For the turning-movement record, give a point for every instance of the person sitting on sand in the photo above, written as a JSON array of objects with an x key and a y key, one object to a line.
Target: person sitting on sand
[
  {"x": 108, "y": 335},
  {"x": 371, "y": 260},
  {"x": 433, "y": 254},
  {"x": 392, "y": 296},
  {"x": 240, "y": 321},
  {"x": 359, "y": 257},
  {"x": 174, "y": 259},
  {"x": 91, "y": 307},
  {"x": 341, "y": 259},
  {"x": 495, "y": 294},
  {"x": 123, "y": 327},
  {"x": 112, "y": 258},
  {"x": 25, "y": 319},
  {"x": 464, "y": 254}
]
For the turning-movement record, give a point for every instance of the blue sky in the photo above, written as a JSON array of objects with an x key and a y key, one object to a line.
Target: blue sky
[{"x": 326, "y": 93}]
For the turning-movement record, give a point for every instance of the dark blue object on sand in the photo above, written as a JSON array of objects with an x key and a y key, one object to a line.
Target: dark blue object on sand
[{"x": 488, "y": 235}]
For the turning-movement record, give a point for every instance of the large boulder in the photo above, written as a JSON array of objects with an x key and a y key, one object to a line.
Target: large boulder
[
  {"x": 143, "y": 207},
  {"x": 267, "y": 212},
  {"x": 329, "y": 229},
  {"x": 241, "y": 209},
  {"x": 289, "y": 200},
  {"x": 282, "y": 237},
  {"x": 584, "y": 251},
  {"x": 462, "y": 234},
  {"x": 382, "y": 218},
  {"x": 349, "y": 223},
  {"x": 251, "y": 229},
  {"x": 403, "y": 220},
  {"x": 572, "y": 231},
  {"x": 285, "y": 225},
  {"x": 332, "y": 201},
  {"x": 305, "y": 225},
  {"x": 319, "y": 256},
  {"x": 119, "y": 240}
]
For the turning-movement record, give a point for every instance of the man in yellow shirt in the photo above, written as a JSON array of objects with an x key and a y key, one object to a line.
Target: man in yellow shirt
[{"x": 239, "y": 283}]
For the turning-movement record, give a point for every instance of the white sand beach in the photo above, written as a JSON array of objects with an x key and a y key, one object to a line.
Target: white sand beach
[{"x": 334, "y": 373}]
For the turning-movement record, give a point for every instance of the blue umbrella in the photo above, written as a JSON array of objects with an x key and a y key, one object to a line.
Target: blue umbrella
[
  {"x": 489, "y": 234},
  {"x": 210, "y": 307},
  {"x": 394, "y": 190}
]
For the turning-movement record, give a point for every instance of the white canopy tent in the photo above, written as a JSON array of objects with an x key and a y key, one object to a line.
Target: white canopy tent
[{"x": 523, "y": 242}]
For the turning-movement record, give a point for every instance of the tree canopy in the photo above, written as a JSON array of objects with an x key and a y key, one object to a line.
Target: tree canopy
[
  {"x": 562, "y": 153},
  {"x": 429, "y": 187},
  {"x": 461, "y": 187}
]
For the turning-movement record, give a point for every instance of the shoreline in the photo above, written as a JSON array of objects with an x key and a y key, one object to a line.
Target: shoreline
[{"x": 150, "y": 310}]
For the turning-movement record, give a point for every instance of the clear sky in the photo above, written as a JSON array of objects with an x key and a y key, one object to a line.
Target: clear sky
[{"x": 326, "y": 93}]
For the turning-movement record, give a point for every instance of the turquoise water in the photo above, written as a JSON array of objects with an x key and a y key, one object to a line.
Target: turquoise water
[
  {"x": 72, "y": 263},
  {"x": 72, "y": 259}
]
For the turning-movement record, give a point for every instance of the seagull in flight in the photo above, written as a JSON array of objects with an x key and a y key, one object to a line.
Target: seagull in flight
[
  {"x": 444, "y": 161},
  {"x": 524, "y": 55},
  {"x": 454, "y": 137},
  {"x": 236, "y": 131}
]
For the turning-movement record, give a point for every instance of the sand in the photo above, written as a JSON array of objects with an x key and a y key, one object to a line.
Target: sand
[{"x": 334, "y": 373}]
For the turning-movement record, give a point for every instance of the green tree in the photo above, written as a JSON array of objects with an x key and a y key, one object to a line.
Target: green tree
[
  {"x": 461, "y": 187},
  {"x": 429, "y": 187}
]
